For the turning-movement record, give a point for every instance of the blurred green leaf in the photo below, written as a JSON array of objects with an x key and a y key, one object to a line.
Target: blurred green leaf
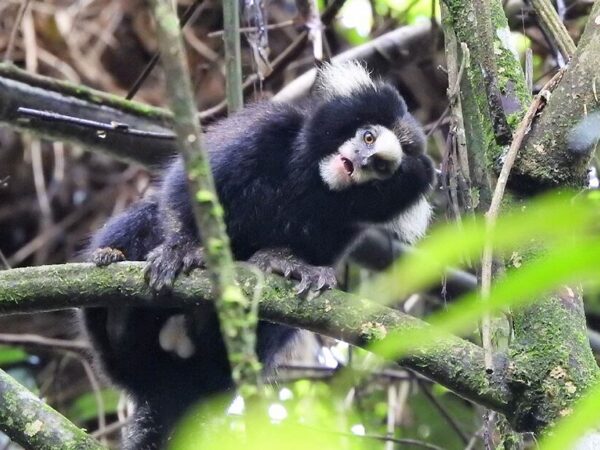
[
  {"x": 12, "y": 355},
  {"x": 534, "y": 226},
  {"x": 85, "y": 407}
]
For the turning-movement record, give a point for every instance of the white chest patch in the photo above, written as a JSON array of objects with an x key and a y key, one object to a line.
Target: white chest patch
[{"x": 411, "y": 225}]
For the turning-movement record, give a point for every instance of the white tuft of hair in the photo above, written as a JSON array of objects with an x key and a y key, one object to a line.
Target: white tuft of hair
[
  {"x": 343, "y": 79},
  {"x": 173, "y": 337}
]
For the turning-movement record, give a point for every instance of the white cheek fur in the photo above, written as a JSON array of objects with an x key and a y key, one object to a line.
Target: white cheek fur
[
  {"x": 333, "y": 174},
  {"x": 387, "y": 145}
]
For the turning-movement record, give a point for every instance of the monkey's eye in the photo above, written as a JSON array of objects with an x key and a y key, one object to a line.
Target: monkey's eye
[{"x": 368, "y": 138}]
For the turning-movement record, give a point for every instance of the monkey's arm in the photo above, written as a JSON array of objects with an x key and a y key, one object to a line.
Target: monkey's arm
[{"x": 113, "y": 331}]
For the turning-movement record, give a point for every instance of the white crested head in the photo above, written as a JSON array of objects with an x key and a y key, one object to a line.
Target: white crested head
[{"x": 343, "y": 79}]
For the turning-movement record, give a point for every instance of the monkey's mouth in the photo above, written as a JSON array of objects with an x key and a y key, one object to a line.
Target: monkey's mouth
[{"x": 348, "y": 166}]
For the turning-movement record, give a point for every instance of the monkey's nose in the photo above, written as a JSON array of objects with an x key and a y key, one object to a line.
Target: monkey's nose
[{"x": 365, "y": 162}]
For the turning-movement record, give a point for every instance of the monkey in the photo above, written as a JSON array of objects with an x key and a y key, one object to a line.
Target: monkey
[{"x": 298, "y": 182}]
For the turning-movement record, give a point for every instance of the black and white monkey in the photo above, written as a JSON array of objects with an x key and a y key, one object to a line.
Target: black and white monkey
[{"x": 298, "y": 183}]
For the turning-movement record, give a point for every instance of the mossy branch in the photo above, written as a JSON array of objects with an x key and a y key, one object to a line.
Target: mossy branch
[
  {"x": 448, "y": 360},
  {"x": 30, "y": 422},
  {"x": 19, "y": 89}
]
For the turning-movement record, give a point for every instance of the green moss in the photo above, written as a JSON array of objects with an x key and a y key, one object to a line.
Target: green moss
[
  {"x": 83, "y": 92},
  {"x": 205, "y": 196},
  {"x": 549, "y": 369}
]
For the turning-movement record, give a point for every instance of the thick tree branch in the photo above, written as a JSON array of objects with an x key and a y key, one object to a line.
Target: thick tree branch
[
  {"x": 19, "y": 89},
  {"x": 448, "y": 360},
  {"x": 555, "y": 152},
  {"x": 31, "y": 423}
]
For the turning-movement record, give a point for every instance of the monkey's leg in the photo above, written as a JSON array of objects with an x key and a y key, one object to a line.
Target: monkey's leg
[{"x": 283, "y": 262}]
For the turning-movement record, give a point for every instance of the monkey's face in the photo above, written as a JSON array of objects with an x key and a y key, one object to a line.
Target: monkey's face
[
  {"x": 361, "y": 134},
  {"x": 373, "y": 153}
]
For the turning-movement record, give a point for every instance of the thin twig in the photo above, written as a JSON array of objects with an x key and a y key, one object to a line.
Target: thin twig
[
  {"x": 35, "y": 340},
  {"x": 233, "y": 55},
  {"x": 187, "y": 15},
  {"x": 111, "y": 428},
  {"x": 95, "y": 385},
  {"x": 15, "y": 29},
  {"x": 93, "y": 124},
  {"x": 444, "y": 413},
  {"x": 492, "y": 213},
  {"x": 392, "y": 398},
  {"x": 399, "y": 441},
  {"x": 273, "y": 26}
]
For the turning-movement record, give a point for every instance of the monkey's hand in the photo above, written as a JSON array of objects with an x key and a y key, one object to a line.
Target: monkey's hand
[
  {"x": 281, "y": 261},
  {"x": 104, "y": 256},
  {"x": 168, "y": 260}
]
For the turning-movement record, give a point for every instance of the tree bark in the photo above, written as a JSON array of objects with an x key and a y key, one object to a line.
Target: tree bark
[{"x": 446, "y": 359}]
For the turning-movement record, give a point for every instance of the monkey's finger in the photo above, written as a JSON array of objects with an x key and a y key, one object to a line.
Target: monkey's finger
[
  {"x": 322, "y": 283},
  {"x": 288, "y": 270},
  {"x": 327, "y": 279},
  {"x": 311, "y": 294},
  {"x": 302, "y": 286},
  {"x": 107, "y": 255},
  {"x": 194, "y": 260}
]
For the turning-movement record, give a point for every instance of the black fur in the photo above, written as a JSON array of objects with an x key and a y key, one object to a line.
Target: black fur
[{"x": 265, "y": 163}]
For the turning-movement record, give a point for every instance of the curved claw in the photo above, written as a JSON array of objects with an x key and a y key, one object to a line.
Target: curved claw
[
  {"x": 311, "y": 278},
  {"x": 165, "y": 262},
  {"x": 193, "y": 259},
  {"x": 262, "y": 261},
  {"x": 314, "y": 279}
]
